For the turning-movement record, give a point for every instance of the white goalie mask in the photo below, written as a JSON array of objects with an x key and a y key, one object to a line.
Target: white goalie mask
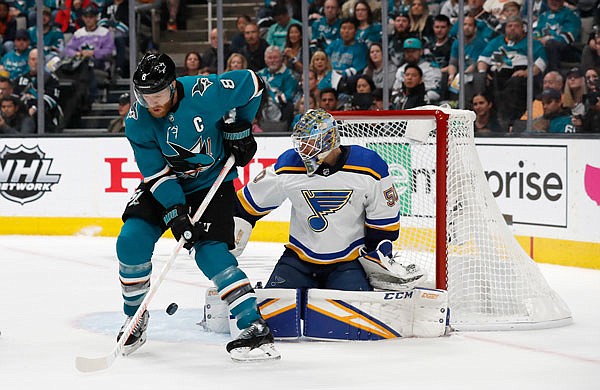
[{"x": 314, "y": 137}]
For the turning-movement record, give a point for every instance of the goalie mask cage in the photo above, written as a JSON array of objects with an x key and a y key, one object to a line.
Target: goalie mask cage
[{"x": 449, "y": 221}]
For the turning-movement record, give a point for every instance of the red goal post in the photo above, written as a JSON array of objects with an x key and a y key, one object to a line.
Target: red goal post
[{"x": 450, "y": 223}]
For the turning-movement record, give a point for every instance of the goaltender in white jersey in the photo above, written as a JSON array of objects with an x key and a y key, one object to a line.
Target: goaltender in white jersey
[
  {"x": 344, "y": 217},
  {"x": 344, "y": 204}
]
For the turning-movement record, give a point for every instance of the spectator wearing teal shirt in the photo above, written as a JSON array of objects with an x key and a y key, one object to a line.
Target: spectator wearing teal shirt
[
  {"x": 280, "y": 86},
  {"x": 348, "y": 56},
  {"x": 327, "y": 28},
  {"x": 558, "y": 29},
  {"x": 15, "y": 62},
  {"x": 486, "y": 22},
  {"x": 278, "y": 31},
  {"x": 367, "y": 32},
  {"x": 277, "y": 76},
  {"x": 556, "y": 118},
  {"x": 474, "y": 46},
  {"x": 54, "y": 39}
]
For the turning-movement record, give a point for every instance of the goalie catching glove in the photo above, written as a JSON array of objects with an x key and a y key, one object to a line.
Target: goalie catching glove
[
  {"x": 239, "y": 141},
  {"x": 178, "y": 219},
  {"x": 385, "y": 273}
]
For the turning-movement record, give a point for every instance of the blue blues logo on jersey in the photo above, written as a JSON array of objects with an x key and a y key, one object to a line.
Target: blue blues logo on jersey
[
  {"x": 323, "y": 203},
  {"x": 188, "y": 163},
  {"x": 201, "y": 86}
]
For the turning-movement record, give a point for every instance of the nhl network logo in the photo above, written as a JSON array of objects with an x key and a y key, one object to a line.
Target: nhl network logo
[{"x": 25, "y": 174}]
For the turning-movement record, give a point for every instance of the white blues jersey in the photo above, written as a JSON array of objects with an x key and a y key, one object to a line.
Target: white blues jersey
[{"x": 336, "y": 211}]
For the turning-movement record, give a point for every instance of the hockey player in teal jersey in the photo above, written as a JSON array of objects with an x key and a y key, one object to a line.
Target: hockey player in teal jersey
[
  {"x": 180, "y": 143},
  {"x": 344, "y": 205}
]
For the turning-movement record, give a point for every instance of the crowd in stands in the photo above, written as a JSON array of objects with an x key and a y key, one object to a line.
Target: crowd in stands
[
  {"x": 89, "y": 43},
  {"x": 346, "y": 69},
  {"x": 85, "y": 46}
]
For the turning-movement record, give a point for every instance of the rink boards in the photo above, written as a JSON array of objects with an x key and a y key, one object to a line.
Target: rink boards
[{"x": 549, "y": 188}]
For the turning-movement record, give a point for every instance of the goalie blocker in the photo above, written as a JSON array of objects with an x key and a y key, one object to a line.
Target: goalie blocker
[{"x": 341, "y": 315}]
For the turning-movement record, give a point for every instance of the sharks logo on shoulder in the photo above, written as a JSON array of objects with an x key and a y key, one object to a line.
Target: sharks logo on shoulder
[
  {"x": 201, "y": 86},
  {"x": 322, "y": 203},
  {"x": 189, "y": 162}
]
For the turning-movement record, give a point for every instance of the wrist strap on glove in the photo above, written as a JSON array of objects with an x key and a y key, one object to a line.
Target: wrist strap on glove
[
  {"x": 178, "y": 219},
  {"x": 237, "y": 135},
  {"x": 239, "y": 141}
]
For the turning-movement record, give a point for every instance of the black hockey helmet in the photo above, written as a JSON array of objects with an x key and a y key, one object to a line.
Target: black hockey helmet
[{"x": 155, "y": 72}]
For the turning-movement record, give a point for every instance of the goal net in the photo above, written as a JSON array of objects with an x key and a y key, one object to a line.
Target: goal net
[{"x": 450, "y": 223}]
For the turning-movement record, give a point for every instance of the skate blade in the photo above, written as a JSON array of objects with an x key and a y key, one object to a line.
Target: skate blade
[
  {"x": 262, "y": 353},
  {"x": 129, "y": 349}
]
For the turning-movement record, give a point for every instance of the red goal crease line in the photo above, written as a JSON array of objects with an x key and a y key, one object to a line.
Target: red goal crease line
[{"x": 533, "y": 349}]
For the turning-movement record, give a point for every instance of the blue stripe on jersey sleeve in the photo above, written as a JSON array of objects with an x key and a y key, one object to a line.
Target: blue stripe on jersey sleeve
[
  {"x": 252, "y": 203},
  {"x": 363, "y": 157},
  {"x": 383, "y": 221},
  {"x": 289, "y": 158}
]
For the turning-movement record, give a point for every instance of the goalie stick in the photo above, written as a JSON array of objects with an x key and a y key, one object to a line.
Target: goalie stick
[{"x": 84, "y": 364}]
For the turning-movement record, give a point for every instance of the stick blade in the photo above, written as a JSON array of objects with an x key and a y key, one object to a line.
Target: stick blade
[{"x": 84, "y": 364}]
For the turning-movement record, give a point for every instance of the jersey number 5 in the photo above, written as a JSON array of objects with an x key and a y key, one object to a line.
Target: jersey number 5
[{"x": 391, "y": 196}]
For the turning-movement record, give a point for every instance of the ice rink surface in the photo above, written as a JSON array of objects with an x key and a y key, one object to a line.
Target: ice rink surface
[{"x": 60, "y": 298}]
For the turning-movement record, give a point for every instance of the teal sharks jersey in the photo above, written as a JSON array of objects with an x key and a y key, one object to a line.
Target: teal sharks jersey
[
  {"x": 504, "y": 54},
  {"x": 183, "y": 152}
]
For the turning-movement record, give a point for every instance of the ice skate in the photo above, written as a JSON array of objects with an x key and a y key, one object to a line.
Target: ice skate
[
  {"x": 254, "y": 343},
  {"x": 137, "y": 338}
]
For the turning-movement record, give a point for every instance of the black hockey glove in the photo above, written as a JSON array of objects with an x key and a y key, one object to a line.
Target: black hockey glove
[
  {"x": 239, "y": 141},
  {"x": 178, "y": 219}
]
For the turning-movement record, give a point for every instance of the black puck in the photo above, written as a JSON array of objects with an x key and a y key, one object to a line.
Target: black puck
[{"x": 172, "y": 308}]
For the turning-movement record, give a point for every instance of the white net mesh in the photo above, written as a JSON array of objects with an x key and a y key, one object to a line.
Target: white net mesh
[{"x": 491, "y": 281}]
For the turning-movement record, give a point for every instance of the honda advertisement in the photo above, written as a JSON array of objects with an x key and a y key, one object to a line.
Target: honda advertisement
[{"x": 549, "y": 187}]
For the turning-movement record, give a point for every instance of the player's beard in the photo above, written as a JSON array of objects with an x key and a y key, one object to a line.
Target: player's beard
[{"x": 161, "y": 111}]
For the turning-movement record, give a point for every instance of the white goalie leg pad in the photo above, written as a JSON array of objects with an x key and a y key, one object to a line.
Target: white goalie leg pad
[
  {"x": 241, "y": 235},
  {"x": 216, "y": 312},
  {"x": 281, "y": 309},
  {"x": 375, "y": 315},
  {"x": 431, "y": 316}
]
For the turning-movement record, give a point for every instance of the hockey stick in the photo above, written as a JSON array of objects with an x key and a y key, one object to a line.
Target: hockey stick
[{"x": 84, "y": 364}]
